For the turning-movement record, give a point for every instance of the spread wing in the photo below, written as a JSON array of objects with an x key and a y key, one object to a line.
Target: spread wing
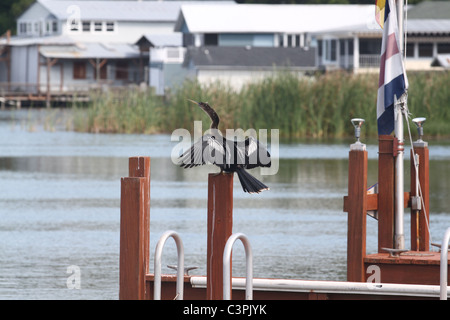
[
  {"x": 256, "y": 154},
  {"x": 207, "y": 150}
]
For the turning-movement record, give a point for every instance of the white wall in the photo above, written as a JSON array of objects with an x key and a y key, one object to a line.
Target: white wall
[
  {"x": 236, "y": 79},
  {"x": 24, "y": 67},
  {"x": 124, "y": 32}
]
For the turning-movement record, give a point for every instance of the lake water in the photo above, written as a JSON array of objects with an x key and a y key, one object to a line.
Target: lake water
[{"x": 60, "y": 209}]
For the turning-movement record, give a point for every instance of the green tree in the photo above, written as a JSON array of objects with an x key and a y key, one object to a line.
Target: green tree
[{"x": 9, "y": 11}]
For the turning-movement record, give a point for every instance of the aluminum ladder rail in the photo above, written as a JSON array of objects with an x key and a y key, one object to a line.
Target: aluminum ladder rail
[
  {"x": 227, "y": 266},
  {"x": 444, "y": 265},
  {"x": 180, "y": 270}
]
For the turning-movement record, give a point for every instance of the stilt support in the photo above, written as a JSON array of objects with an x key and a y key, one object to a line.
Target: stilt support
[{"x": 220, "y": 228}]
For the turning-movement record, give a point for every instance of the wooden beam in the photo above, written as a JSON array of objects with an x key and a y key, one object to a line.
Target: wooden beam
[
  {"x": 50, "y": 63},
  {"x": 140, "y": 167},
  {"x": 220, "y": 226},
  {"x": 97, "y": 65},
  {"x": 134, "y": 230},
  {"x": 357, "y": 215}
]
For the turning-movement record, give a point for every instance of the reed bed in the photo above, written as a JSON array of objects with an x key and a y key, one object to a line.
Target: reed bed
[{"x": 318, "y": 106}]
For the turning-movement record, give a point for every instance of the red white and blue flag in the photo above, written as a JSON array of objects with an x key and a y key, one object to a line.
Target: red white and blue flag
[{"x": 393, "y": 82}]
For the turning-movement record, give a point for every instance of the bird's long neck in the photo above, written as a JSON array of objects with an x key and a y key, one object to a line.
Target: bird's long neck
[{"x": 212, "y": 114}]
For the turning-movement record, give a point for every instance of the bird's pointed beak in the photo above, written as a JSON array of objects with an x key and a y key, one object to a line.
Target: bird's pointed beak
[{"x": 193, "y": 101}]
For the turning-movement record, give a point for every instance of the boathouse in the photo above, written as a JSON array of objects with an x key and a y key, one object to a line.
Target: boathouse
[{"x": 66, "y": 48}]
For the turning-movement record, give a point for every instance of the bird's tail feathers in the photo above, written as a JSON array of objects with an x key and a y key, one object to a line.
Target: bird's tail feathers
[{"x": 249, "y": 183}]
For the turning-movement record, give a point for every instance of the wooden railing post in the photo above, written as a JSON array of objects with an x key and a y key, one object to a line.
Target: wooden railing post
[
  {"x": 356, "y": 206},
  {"x": 134, "y": 229},
  {"x": 220, "y": 228},
  {"x": 386, "y": 190},
  {"x": 420, "y": 236}
]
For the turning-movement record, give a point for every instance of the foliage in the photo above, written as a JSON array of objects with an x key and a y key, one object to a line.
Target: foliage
[
  {"x": 318, "y": 106},
  {"x": 10, "y": 10}
]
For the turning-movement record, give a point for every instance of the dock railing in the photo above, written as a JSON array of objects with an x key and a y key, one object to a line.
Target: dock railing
[
  {"x": 227, "y": 266},
  {"x": 444, "y": 265},
  {"x": 180, "y": 267}
]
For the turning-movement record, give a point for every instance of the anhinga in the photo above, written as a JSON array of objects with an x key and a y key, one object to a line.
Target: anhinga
[{"x": 228, "y": 155}]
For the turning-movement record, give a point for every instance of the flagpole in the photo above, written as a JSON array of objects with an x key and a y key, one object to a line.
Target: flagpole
[{"x": 399, "y": 240}]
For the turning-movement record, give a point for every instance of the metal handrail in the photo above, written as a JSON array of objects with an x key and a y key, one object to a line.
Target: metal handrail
[
  {"x": 180, "y": 270},
  {"x": 444, "y": 265},
  {"x": 227, "y": 266}
]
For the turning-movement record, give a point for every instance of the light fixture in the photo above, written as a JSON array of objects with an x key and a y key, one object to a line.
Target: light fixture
[{"x": 419, "y": 124}]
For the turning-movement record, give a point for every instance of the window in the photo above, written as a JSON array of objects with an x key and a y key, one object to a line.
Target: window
[
  {"x": 86, "y": 26},
  {"x": 425, "y": 49},
  {"x": 110, "y": 26},
  {"x": 281, "y": 40},
  {"x": 23, "y": 28},
  {"x": 188, "y": 39},
  {"x": 122, "y": 70},
  {"x": 55, "y": 26},
  {"x": 297, "y": 41},
  {"x": 329, "y": 49},
  {"x": 211, "y": 39},
  {"x": 98, "y": 26},
  {"x": 369, "y": 46},
  {"x": 74, "y": 26},
  {"x": 79, "y": 70},
  {"x": 410, "y": 50},
  {"x": 331, "y": 54},
  {"x": 443, "y": 48},
  {"x": 342, "y": 43}
]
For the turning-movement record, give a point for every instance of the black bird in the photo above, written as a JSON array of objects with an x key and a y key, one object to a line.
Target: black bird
[{"x": 228, "y": 155}]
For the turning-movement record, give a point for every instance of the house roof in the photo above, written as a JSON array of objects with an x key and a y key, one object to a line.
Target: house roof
[
  {"x": 118, "y": 10},
  {"x": 428, "y": 26},
  {"x": 90, "y": 51},
  {"x": 162, "y": 40},
  {"x": 65, "y": 47},
  {"x": 430, "y": 10},
  {"x": 47, "y": 40},
  {"x": 271, "y": 18},
  {"x": 250, "y": 57}
]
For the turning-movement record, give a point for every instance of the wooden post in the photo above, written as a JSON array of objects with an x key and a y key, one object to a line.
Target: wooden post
[
  {"x": 220, "y": 226},
  {"x": 50, "y": 64},
  {"x": 386, "y": 188},
  {"x": 420, "y": 236},
  {"x": 356, "y": 206},
  {"x": 134, "y": 229}
]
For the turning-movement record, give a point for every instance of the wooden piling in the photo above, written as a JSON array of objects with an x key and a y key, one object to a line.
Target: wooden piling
[
  {"x": 220, "y": 228},
  {"x": 356, "y": 206},
  {"x": 134, "y": 230},
  {"x": 420, "y": 236}
]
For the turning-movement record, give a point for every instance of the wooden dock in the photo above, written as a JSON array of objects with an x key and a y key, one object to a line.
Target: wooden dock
[{"x": 407, "y": 275}]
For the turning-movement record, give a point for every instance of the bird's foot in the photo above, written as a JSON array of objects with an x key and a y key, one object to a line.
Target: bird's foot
[{"x": 218, "y": 174}]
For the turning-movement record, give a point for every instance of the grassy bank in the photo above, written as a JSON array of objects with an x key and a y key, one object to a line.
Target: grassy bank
[{"x": 320, "y": 106}]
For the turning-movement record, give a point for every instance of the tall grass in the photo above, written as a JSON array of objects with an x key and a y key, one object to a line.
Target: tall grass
[{"x": 317, "y": 106}]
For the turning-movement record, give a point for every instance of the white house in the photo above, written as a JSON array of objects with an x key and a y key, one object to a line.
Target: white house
[
  {"x": 302, "y": 26},
  {"x": 66, "y": 46},
  {"x": 342, "y": 36},
  {"x": 63, "y": 47}
]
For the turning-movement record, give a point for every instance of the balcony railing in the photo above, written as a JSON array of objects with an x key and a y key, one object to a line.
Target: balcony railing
[{"x": 369, "y": 60}]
